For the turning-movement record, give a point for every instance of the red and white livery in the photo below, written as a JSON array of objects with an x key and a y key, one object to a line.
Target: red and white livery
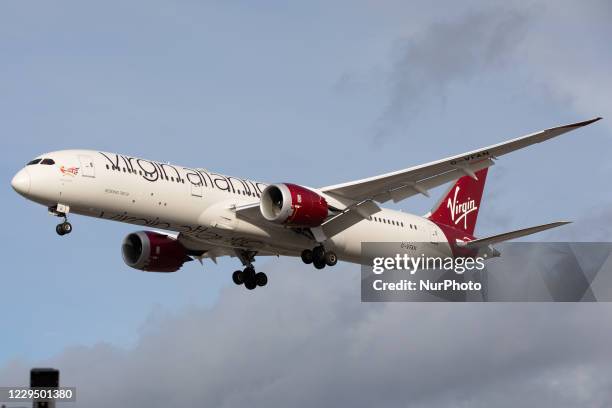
[{"x": 190, "y": 213}]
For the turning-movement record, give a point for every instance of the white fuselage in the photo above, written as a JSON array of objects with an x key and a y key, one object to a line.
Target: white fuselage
[{"x": 199, "y": 205}]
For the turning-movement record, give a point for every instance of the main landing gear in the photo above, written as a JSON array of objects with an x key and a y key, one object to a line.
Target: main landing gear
[
  {"x": 319, "y": 257},
  {"x": 248, "y": 276}
]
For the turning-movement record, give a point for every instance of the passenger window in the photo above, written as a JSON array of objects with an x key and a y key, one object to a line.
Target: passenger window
[
  {"x": 35, "y": 161},
  {"x": 48, "y": 162}
]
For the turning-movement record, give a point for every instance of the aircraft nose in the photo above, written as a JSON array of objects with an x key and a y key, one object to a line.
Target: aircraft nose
[{"x": 21, "y": 182}]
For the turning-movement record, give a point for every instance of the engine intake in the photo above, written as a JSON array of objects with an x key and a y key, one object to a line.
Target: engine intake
[
  {"x": 153, "y": 252},
  {"x": 293, "y": 205}
]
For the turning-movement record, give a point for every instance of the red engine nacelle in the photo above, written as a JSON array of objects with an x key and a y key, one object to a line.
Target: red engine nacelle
[
  {"x": 293, "y": 205},
  {"x": 153, "y": 252}
]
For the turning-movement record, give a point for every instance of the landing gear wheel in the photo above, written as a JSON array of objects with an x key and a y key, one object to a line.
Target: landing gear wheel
[
  {"x": 307, "y": 256},
  {"x": 63, "y": 228},
  {"x": 66, "y": 227},
  {"x": 250, "y": 283},
  {"x": 248, "y": 277},
  {"x": 261, "y": 279},
  {"x": 330, "y": 258},
  {"x": 319, "y": 263},
  {"x": 237, "y": 277},
  {"x": 318, "y": 254}
]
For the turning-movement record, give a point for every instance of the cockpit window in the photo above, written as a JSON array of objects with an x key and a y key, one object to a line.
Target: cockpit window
[
  {"x": 35, "y": 161},
  {"x": 47, "y": 161}
]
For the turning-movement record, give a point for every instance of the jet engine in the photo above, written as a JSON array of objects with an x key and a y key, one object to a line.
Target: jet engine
[
  {"x": 293, "y": 205},
  {"x": 153, "y": 252}
]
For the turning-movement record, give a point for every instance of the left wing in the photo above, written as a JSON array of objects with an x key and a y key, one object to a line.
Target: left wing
[
  {"x": 402, "y": 184},
  {"x": 356, "y": 200}
]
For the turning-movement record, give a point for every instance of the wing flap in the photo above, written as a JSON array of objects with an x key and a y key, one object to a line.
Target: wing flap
[{"x": 410, "y": 189}]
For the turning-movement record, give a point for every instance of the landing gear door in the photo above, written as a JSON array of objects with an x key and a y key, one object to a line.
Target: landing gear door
[{"x": 87, "y": 166}]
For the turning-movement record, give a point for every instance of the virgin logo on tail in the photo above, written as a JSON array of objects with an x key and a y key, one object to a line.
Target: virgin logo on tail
[{"x": 459, "y": 211}]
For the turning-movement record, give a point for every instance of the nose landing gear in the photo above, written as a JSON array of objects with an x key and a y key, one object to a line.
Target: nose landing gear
[
  {"x": 61, "y": 210},
  {"x": 319, "y": 257}
]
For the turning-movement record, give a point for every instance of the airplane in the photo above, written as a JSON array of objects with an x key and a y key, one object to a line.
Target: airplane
[{"x": 195, "y": 214}]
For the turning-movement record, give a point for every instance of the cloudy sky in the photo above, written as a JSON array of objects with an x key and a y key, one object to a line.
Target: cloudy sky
[{"x": 314, "y": 93}]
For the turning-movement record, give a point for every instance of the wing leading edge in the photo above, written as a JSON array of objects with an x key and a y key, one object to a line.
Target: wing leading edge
[{"x": 405, "y": 183}]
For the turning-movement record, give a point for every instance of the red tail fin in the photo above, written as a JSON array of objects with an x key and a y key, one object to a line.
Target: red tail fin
[{"x": 459, "y": 207}]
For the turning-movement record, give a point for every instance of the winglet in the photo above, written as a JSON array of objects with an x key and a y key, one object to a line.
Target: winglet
[{"x": 580, "y": 124}]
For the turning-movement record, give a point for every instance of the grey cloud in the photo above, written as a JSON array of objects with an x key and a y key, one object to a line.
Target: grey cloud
[
  {"x": 446, "y": 52},
  {"x": 571, "y": 63},
  {"x": 306, "y": 340},
  {"x": 593, "y": 226}
]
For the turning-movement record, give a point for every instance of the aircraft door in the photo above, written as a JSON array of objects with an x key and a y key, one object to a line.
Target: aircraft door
[
  {"x": 196, "y": 189},
  {"x": 434, "y": 233},
  {"x": 87, "y": 166}
]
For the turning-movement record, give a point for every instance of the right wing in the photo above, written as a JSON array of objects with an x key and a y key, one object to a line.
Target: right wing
[
  {"x": 200, "y": 248},
  {"x": 402, "y": 184}
]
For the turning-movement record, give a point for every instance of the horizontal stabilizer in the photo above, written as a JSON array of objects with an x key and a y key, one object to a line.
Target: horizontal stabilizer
[{"x": 495, "y": 239}]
